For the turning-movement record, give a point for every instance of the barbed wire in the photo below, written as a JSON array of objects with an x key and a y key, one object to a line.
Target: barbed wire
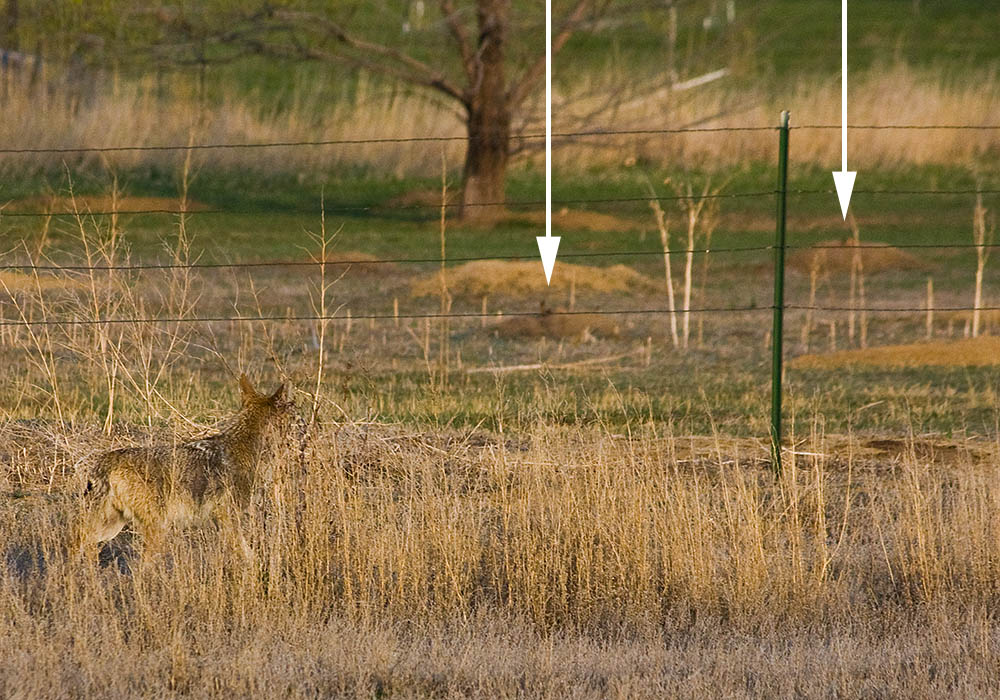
[
  {"x": 905, "y": 127},
  {"x": 405, "y": 207},
  {"x": 459, "y": 205},
  {"x": 476, "y": 315},
  {"x": 365, "y": 317},
  {"x": 375, "y": 261},
  {"x": 446, "y": 139},
  {"x": 350, "y": 262},
  {"x": 890, "y": 309}
]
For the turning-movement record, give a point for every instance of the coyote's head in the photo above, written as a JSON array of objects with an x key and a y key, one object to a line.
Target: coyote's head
[
  {"x": 271, "y": 416},
  {"x": 268, "y": 411}
]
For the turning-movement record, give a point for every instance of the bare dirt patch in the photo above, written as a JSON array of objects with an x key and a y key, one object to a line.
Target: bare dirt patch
[
  {"x": 101, "y": 203},
  {"x": 967, "y": 352},
  {"x": 475, "y": 279},
  {"x": 921, "y": 449},
  {"x": 837, "y": 256}
]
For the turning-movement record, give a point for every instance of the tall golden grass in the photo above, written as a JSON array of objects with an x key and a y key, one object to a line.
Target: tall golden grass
[
  {"x": 131, "y": 114},
  {"x": 886, "y": 95},
  {"x": 387, "y": 537}
]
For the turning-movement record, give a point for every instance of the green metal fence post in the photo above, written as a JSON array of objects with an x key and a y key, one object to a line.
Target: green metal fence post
[{"x": 779, "y": 295}]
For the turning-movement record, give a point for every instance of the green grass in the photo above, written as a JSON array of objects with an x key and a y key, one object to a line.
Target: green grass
[
  {"x": 265, "y": 215},
  {"x": 771, "y": 40}
]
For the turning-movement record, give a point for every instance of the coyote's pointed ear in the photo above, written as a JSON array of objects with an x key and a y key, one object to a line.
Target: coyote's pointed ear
[
  {"x": 246, "y": 388},
  {"x": 278, "y": 395}
]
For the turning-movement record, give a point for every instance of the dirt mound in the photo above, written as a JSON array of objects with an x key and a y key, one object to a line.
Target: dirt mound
[
  {"x": 13, "y": 282},
  {"x": 837, "y": 256},
  {"x": 101, "y": 203},
  {"x": 483, "y": 277},
  {"x": 967, "y": 352}
]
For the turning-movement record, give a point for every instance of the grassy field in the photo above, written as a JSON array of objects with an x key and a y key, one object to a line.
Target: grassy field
[
  {"x": 612, "y": 530},
  {"x": 511, "y": 502}
]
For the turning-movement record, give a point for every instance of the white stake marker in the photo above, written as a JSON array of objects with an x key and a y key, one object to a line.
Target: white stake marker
[
  {"x": 548, "y": 245},
  {"x": 844, "y": 180}
]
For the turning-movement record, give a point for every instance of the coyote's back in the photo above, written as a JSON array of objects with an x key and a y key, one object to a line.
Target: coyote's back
[{"x": 154, "y": 488}]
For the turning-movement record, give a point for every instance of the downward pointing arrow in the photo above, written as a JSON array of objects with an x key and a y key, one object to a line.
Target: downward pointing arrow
[
  {"x": 548, "y": 245},
  {"x": 844, "y": 180}
]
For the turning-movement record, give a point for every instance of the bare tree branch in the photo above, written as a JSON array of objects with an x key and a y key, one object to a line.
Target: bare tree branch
[
  {"x": 461, "y": 36},
  {"x": 519, "y": 93},
  {"x": 415, "y": 70}
]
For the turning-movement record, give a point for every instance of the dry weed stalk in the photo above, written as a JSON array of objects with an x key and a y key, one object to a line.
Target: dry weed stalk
[
  {"x": 983, "y": 233},
  {"x": 807, "y": 325},
  {"x": 701, "y": 212},
  {"x": 445, "y": 297},
  {"x": 857, "y": 286},
  {"x": 318, "y": 301},
  {"x": 662, "y": 226},
  {"x": 929, "y": 323}
]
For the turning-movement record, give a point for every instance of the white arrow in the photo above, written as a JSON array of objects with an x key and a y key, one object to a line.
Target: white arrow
[
  {"x": 548, "y": 245},
  {"x": 844, "y": 180}
]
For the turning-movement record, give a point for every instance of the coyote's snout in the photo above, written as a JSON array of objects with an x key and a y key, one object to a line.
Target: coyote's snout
[{"x": 153, "y": 488}]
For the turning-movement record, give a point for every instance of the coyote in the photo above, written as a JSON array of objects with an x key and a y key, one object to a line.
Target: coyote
[{"x": 153, "y": 488}]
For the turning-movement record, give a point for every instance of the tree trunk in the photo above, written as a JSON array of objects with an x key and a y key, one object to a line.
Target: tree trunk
[{"x": 488, "y": 109}]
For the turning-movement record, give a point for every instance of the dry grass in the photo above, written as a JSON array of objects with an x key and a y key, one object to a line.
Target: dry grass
[
  {"x": 572, "y": 563},
  {"x": 897, "y": 94},
  {"x": 967, "y": 352},
  {"x": 523, "y": 279},
  {"x": 894, "y": 94}
]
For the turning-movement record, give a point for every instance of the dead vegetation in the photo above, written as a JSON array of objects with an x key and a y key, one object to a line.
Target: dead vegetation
[
  {"x": 132, "y": 114},
  {"x": 401, "y": 562}
]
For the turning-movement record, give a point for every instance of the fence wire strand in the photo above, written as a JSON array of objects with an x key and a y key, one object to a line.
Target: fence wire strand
[
  {"x": 517, "y": 137},
  {"x": 34, "y": 267}
]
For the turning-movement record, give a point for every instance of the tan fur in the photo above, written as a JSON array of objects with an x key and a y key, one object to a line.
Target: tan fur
[
  {"x": 556, "y": 324},
  {"x": 154, "y": 488}
]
